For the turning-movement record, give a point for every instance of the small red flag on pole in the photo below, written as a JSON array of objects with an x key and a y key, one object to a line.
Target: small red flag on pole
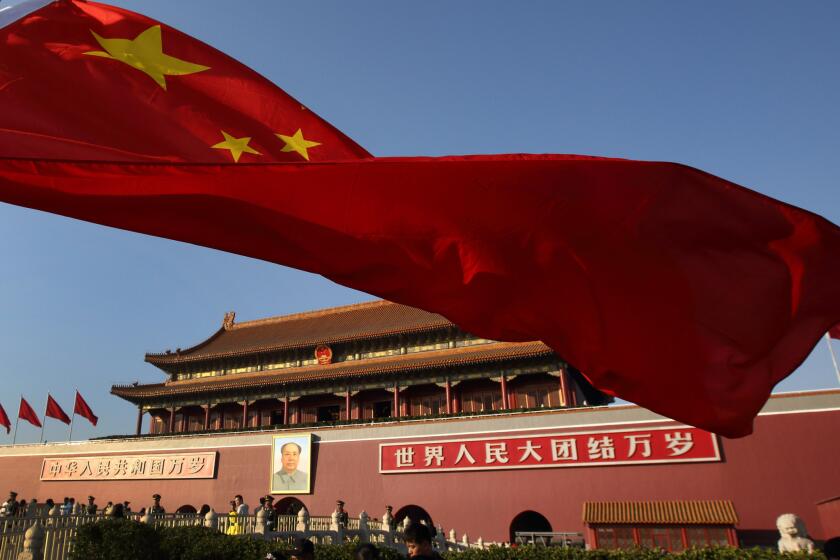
[
  {"x": 4, "y": 419},
  {"x": 55, "y": 411},
  {"x": 26, "y": 412},
  {"x": 82, "y": 409}
]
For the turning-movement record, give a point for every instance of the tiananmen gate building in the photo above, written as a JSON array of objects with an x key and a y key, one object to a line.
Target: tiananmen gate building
[{"x": 382, "y": 404}]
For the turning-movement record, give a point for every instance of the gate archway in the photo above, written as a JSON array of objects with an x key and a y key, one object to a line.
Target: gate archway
[
  {"x": 529, "y": 522},
  {"x": 414, "y": 513},
  {"x": 288, "y": 506}
]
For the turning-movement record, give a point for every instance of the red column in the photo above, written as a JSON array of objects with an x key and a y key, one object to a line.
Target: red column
[
  {"x": 566, "y": 389},
  {"x": 172, "y": 420},
  {"x": 732, "y": 536},
  {"x": 286, "y": 410},
  {"x": 448, "y": 397},
  {"x": 348, "y": 412},
  {"x": 592, "y": 538},
  {"x": 396, "y": 411},
  {"x": 207, "y": 417},
  {"x": 563, "y": 396},
  {"x": 245, "y": 414},
  {"x": 457, "y": 402},
  {"x": 139, "y": 420},
  {"x": 504, "y": 393}
]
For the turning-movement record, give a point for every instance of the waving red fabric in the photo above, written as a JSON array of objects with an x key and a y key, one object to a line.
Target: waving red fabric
[
  {"x": 25, "y": 412},
  {"x": 664, "y": 285},
  {"x": 82, "y": 409}
]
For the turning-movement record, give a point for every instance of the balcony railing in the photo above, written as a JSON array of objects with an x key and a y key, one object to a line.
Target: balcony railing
[{"x": 353, "y": 422}]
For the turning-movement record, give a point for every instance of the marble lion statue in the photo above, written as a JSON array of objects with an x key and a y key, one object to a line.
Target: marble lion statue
[{"x": 794, "y": 536}]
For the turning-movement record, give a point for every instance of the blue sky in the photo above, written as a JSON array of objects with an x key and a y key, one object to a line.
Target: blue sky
[{"x": 745, "y": 90}]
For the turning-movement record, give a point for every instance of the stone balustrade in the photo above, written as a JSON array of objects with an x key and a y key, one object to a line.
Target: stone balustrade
[{"x": 32, "y": 532}]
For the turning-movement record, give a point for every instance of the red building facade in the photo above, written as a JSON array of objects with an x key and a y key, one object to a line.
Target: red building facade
[{"x": 618, "y": 475}]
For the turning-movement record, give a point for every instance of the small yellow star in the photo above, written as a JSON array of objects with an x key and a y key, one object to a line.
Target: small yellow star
[
  {"x": 236, "y": 146},
  {"x": 145, "y": 53},
  {"x": 297, "y": 143}
]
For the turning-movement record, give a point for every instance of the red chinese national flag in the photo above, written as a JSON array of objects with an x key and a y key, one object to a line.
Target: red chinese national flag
[
  {"x": 4, "y": 419},
  {"x": 82, "y": 409},
  {"x": 664, "y": 285},
  {"x": 25, "y": 412},
  {"x": 97, "y": 82},
  {"x": 55, "y": 411}
]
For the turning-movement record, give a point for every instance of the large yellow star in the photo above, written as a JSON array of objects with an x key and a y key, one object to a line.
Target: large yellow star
[
  {"x": 236, "y": 146},
  {"x": 145, "y": 53},
  {"x": 297, "y": 143}
]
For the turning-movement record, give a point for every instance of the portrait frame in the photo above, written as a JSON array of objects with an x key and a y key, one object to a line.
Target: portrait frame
[{"x": 280, "y": 481}]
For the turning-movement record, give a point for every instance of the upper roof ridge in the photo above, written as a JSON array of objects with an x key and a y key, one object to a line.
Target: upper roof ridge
[
  {"x": 316, "y": 313},
  {"x": 310, "y": 328}
]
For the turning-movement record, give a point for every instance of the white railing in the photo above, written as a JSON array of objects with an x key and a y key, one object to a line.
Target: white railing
[
  {"x": 11, "y": 542},
  {"x": 549, "y": 539},
  {"x": 51, "y": 536}
]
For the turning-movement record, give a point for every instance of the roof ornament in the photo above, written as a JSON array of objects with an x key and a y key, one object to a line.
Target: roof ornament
[
  {"x": 323, "y": 354},
  {"x": 227, "y": 324}
]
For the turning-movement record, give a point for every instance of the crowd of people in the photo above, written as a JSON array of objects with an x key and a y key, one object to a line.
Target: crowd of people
[
  {"x": 70, "y": 506},
  {"x": 417, "y": 536}
]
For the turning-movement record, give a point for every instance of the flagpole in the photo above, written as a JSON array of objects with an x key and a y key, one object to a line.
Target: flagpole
[
  {"x": 833, "y": 357},
  {"x": 44, "y": 423},
  {"x": 14, "y": 436},
  {"x": 73, "y": 418}
]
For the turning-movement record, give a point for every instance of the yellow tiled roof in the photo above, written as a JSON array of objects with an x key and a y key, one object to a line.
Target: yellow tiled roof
[
  {"x": 708, "y": 512},
  {"x": 326, "y": 326}
]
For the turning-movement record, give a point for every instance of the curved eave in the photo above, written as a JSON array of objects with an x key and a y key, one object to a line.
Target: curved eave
[
  {"x": 405, "y": 363},
  {"x": 183, "y": 357},
  {"x": 175, "y": 357},
  {"x": 133, "y": 393}
]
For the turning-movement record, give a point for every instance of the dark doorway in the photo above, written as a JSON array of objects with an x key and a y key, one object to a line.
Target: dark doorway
[
  {"x": 288, "y": 506},
  {"x": 328, "y": 413},
  {"x": 382, "y": 409},
  {"x": 414, "y": 513},
  {"x": 529, "y": 522},
  {"x": 276, "y": 417},
  {"x": 186, "y": 509}
]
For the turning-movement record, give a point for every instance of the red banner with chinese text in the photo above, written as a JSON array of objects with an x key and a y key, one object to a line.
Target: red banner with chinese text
[
  {"x": 605, "y": 448},
  {"x": 130, "y": 467}
]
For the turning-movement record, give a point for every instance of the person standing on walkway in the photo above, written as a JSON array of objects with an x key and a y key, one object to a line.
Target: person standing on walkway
[
  {"x": 91, "y": 507},
  {"x": 270, "y": 514},
  {"x": 241, "y": 506},
  {"x": 156, "y": 508}
]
